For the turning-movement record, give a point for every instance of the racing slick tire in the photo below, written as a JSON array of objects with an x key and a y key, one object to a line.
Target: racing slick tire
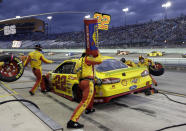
[
  {"x": 12, "y": 69},
  {"x": 76, "y": 93},
  {"x": 156, "y": 70},
  {"x": 46, "y": 82},
  {"x": 183, "y": 56}
]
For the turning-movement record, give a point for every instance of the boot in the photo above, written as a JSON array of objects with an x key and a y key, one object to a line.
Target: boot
[
  {"x": 88, "y": 111},
  {"x": 72, "y": 124},
  {"x": 31, "y": 93}
]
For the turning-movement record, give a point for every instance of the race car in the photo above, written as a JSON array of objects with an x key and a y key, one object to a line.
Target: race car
[
  {"x": 155, "y": 53},
  {"x": 119, "y": 52},
  {"x": 184, "y": 55},
  {"x": 117, "y": 79}
]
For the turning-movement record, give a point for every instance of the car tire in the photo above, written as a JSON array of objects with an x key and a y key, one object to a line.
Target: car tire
[
  {"x": 12, "y": 70},
  {"x": 157, "y": 70},
  {"x": 46, "y": 82},
  {"x": 76, "y": 93}
]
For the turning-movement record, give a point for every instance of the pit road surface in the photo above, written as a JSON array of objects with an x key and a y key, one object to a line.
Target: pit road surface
[{"x": 126, "y": 113}]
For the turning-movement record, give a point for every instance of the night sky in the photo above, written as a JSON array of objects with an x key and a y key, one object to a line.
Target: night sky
[{"x": 139, "y": 11}]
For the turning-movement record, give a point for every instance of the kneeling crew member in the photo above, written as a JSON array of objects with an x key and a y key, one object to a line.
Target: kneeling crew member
[
  {"x": 86, "y": 84},
  {"x": 35, "y": 58},
  {"x": 147, "y": 62}
]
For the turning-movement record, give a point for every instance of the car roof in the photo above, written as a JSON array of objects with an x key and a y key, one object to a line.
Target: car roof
[{"x": 103, "y": 57}]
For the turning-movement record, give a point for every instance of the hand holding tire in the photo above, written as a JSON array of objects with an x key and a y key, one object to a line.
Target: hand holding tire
[
  {"x": 12, "y": 69},
  {"x": 156, "y": 70}
]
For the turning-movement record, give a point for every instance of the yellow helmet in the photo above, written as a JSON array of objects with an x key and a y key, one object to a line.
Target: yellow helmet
[{"x": 141, "y": 57}]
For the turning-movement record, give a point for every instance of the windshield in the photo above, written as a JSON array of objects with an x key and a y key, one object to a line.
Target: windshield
[{"x": 110, "y": 64}]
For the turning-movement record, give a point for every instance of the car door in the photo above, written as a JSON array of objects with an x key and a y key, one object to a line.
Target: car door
[{"x": 63, "y": 78}]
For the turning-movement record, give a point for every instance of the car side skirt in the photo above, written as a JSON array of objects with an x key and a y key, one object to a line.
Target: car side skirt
[{"x": 106, "y": 99}]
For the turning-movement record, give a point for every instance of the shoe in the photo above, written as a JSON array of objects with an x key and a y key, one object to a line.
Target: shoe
[
  {"x": 88, "y": 111},
  {"x": 44, "y": 92},
  {"x": 72, "y": 124},
  {"x": 31, "y": 93}
]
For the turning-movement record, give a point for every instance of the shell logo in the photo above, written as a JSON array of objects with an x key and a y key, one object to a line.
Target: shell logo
[{"x": 124, "y": 82}]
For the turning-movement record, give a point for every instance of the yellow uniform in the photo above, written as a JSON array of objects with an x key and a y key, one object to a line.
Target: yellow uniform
[
  {"x": 146, "y": 62},
  {"x": 35, "y": 59},
  {"x": 130, "y": 63},
  {"x": 84, "y": 67},
  {"x": 86, "y": 77}
]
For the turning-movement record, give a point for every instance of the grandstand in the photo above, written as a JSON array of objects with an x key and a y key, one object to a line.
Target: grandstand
[
  {"x": 162, "y": 33},
  {"x": 25, "y": 28}
]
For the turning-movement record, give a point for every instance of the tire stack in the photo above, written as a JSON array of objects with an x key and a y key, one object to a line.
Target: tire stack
[
  {"x": 12, "y": 69},
  {"x": 156, "y": 70}
]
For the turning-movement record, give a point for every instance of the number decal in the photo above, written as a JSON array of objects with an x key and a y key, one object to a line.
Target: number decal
[
  {"x": 57, "y": 81},
  {"x": 60, "y": 82},
  {"x": 63, "y": 83},
  {"x": 103, "y": 20}
]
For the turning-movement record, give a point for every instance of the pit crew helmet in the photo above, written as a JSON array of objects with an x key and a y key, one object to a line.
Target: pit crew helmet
[
  {"x": 38, "y": 47},
  {"x": 122, "y": 60}
]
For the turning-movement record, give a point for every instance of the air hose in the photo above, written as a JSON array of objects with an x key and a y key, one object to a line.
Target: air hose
[
  {"x": 168, "y": 127},
  {"x": 22, "y": 100}
]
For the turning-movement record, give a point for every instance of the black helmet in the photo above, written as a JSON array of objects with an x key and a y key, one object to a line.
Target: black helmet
[
  {"x": 83, "y": 54},
  {"x": 141, "y": 57},
  {"x": 38, "y": 47},
  {"x": 123, "y": 60}
]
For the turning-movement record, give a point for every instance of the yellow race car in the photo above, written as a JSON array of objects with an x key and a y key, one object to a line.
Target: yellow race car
[
  {"x": 155, "y": 53},
  {"x": 116, "y": 78}
]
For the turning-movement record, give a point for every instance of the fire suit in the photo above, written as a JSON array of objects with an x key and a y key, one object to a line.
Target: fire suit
[
  {"x": 146, "y": 63},
  {"x": 35, "y": 59},
  {"x": 130, "y": 63},
  {"x": 86, "y": 77}
]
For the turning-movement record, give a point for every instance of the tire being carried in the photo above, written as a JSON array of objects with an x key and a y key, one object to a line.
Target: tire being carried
[
  {"x": 156, "y": 70},
  {"x": 12, "y": 69}
]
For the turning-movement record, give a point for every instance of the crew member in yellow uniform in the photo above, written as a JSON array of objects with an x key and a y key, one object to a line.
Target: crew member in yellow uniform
[
  {"x": 128, "y": 62},
  {"x": 85, "y": 74},
  {"x": 147, "y": 62},
  {"x": 1, "y": 63},
  {"x": 35, "y": 59}
]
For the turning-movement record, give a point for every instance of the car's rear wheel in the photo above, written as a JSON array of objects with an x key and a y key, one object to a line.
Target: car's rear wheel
[
  {"x": 76, "y": 93},
  {"x": 12, "y": 69},
  {"x": 156, "y": 70}
]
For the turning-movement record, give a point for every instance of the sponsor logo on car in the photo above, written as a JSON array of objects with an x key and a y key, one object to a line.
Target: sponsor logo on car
[
  {"x": 133, "y": 87},
  {"x": 135, "y": 80}
]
